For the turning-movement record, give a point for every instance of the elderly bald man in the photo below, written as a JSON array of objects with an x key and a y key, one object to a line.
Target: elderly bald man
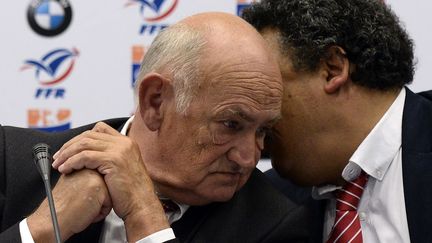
[{"x": 208, "y": 91}]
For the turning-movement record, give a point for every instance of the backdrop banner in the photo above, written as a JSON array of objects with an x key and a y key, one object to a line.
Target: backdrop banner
[{"x": 65, "y": 63}]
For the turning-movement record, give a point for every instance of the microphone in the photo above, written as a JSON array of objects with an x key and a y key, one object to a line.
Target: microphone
[{"x": 42, "y": 158}]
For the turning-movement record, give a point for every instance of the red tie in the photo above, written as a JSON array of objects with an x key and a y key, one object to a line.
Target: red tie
[{"x": 347, "y": 226}]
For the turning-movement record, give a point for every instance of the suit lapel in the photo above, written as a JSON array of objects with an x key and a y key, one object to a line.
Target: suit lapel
[
  {"x": 316, "y": 219},
  {"x": 315, "y": 211},
  {"x": 417, "y": 166},
  {"x": 302, "y": 196}
]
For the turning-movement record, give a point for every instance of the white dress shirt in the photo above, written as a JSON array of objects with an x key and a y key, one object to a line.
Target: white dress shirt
[
  {"x": 114, "y": 230},
  {"x": 381, "y": 210}
]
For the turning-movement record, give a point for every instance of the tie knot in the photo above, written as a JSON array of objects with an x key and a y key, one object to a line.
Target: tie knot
[
  {"x": 169, "y": 206},
  {"x": 348, "y": 198}
]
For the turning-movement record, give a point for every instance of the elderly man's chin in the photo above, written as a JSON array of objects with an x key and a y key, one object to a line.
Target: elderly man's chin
[{"x": 223, "y": 186}]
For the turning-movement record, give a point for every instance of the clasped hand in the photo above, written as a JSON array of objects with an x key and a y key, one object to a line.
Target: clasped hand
[{"x": 129, "y": 189}]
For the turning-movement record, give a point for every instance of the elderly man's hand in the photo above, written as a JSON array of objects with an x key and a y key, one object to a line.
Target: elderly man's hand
[
  {"x": 81, "y": 198},
  {"x": 118, "y": 159}
]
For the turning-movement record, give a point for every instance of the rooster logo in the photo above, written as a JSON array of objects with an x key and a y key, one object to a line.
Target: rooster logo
[
  {"x": 156, "y": 6},
  {"x": 53, "y": 66}
]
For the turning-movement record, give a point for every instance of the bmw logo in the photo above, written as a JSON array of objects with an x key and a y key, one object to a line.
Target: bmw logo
[{"x": 49, "y": 17}]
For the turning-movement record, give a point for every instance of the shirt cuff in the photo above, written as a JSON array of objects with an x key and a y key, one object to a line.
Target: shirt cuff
[
  {"x": 26, "y": 236},
  {"x": 158, "y": 237}
]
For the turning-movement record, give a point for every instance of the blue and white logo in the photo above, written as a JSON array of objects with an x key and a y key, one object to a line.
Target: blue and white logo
[
  {"x": 160, "y": 9},
  {"x": 51, "y": 70},
  {"x": 49, "y": 17},
  {"x": 153, "y": 12},
  {"x": 53, "y": 67}
]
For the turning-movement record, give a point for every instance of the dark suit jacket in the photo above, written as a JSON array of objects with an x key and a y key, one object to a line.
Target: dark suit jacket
[
  {"x": 257, "y": 213},
  {"x": 416, "y": 171}
]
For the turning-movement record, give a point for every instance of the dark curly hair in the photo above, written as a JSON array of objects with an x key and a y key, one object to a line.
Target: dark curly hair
[{"x": 368, "y": 31}]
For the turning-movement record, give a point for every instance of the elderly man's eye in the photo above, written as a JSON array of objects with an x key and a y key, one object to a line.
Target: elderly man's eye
[{"x": 233, "y": 125}]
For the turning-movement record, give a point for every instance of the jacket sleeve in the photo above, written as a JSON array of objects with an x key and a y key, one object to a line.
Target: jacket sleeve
[{"x": 12, "y": 233}]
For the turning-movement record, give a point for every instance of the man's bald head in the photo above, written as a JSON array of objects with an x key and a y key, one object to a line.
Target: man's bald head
[
  {"x": 216, "y": 23},
  {"x": 179, "y": 50},
  {"x": 228, "y": 36}
]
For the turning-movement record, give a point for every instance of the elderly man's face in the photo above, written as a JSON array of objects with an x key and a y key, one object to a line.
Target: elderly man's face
[{"x": 211, "y": 151}]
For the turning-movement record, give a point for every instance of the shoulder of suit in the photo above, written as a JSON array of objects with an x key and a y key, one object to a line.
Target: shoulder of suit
[
  {"x": 426, "y": 94},
  {"x": 26, "y": 138},
  {"x": 261, "y": 193}
]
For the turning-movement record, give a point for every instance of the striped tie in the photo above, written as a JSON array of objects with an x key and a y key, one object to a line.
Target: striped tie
[{"x": 347, "y": 226}]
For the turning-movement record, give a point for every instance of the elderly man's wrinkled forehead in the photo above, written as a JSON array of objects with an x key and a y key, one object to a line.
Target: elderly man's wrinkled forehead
[
  {"x": 235, "y": 60},
  {"x": 237, "y": 65}
]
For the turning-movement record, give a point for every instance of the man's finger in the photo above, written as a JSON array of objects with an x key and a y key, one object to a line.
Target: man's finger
[
  {"x": 88, "y": 140},
  {"x": 102, "y": 127},
  {"x": 86, "y": 159},
  {"x": 95, "y": 133},
  {"x": 73, "y": 140}
]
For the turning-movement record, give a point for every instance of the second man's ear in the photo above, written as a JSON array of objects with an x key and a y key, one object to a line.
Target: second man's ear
[
  {"x": 151, "y": 95},
  {"x": 337, "y": 66}
]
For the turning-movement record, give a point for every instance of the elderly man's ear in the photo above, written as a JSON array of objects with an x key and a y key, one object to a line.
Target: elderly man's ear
[
  {"x": 337, "y": 68},
  {"x": 154, "y": 91}
]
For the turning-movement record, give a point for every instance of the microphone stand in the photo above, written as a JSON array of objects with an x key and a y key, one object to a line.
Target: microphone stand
[
  {"x": 43, "y": 160},
  {"x": 47, "y": 184}
]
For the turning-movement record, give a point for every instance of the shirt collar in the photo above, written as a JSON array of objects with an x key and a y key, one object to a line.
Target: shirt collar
[
  {"x": 376, "y": 152},
  {"x": 126, "y": 126}
]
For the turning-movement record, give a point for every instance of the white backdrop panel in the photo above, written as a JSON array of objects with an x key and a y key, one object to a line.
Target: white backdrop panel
[{"x": 104, "y": 34}]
